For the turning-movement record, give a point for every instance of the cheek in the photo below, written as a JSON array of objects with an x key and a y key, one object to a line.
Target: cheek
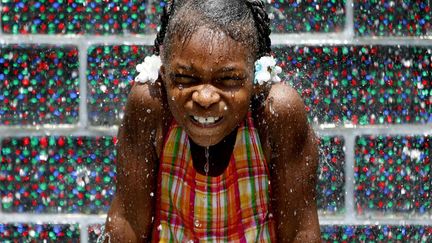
[
  {"x": 241, "y": 100},
  {"x": 177, "y": 100}
]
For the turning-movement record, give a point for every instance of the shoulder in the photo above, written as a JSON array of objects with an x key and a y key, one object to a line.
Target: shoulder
[
  {"x": 286, "y": 117},
  {"x": 294, "y": 159},
  {"x": 145, "y": 97},
  {"x": 146, "y": 113},
  {"x": 146, "y": 102}
]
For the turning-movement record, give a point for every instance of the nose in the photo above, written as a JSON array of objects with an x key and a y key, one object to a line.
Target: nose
[{"x": 206, "y": 96}]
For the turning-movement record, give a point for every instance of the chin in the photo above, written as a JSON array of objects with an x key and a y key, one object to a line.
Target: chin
[
  {"x": 206, "y": 135},
  {"x": 205, "y": 141}
]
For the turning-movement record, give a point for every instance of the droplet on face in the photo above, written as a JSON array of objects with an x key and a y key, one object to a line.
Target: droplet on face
[
  {"x": 172, "y": 98},
  {"x": 270, "y": 103},
  {"x": 180, "y": 86},
  {"x": 148, "y": 111}
]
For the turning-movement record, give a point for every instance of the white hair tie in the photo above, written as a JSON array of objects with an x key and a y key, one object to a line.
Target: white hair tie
[{"x": 266, "y": 70}]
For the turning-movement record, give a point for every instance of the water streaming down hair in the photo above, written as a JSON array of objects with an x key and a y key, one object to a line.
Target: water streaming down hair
[{"x": 244, "y": 21}]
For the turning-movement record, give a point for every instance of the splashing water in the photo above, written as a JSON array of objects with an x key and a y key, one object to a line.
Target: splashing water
[
  {"x": 270, "y": 104},
  {"x": 207, "y": 164},
  {"x": 197, "y": 223}
]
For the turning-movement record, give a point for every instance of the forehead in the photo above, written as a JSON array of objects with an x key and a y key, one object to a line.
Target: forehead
[{"x": 210, "y": 47}]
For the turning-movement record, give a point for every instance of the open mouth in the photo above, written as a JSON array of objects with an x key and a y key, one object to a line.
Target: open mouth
[{"x": 206, "y": 121}]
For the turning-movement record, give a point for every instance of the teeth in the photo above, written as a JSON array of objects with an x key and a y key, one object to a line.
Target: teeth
[{"x": 206, "y": 120}]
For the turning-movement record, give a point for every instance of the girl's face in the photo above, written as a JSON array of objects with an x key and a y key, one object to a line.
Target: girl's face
[{"x": 208, "y": 80}]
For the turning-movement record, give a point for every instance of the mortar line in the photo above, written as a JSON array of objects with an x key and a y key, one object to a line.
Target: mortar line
[
  {"x": 408, "y": 129},
  {"x": 83, "y": 114},
  {"x": 376, "y": 222},
  {"x": 345, "y": 39},
  {"x": 87, "y": 220},
  {"x": 76, "y": 130},
  {"x": 73, "y": 39},
  {"x": 1, "y": 147},
  {"x": 71, "y": 131},
  {"x": 349, "y": 178},
  {"x": 334, "y": 38},
  {"x": 84, "y": 236},
  {"x": 48, "y": 218},
  {"x": 1, "y": 23},
  {"x": 349, "y": 19}
]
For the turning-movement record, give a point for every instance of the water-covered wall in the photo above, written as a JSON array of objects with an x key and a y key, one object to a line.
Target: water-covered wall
[{"x": 364, "y": 69}]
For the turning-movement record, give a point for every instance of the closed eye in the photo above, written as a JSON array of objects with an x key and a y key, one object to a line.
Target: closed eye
[
  {"x": 231, "y": 80},
  {"x": 184, "y": 79}
]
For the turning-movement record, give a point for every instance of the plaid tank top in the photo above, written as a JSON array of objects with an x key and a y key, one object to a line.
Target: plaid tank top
[{"x": 233, "y": 206}]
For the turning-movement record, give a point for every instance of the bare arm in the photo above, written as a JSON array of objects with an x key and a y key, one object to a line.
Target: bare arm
[
  {"x": 293, "y": 167},
  {"x": 130, "y": 216}
]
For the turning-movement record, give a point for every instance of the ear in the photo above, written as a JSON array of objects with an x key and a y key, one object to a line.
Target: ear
[
  {"x": 162, "y": 70},
  {"x": 161, "y": 50}
]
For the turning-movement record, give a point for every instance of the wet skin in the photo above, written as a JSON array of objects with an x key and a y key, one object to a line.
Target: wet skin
[
  {"x": 209, "y": 76},
  {"x": 202, "y": 77}
]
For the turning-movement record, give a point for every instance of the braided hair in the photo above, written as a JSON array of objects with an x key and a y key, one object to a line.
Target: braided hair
[
  {"x": 245, "y": 21},
  {"x": 262, "y": 23}
]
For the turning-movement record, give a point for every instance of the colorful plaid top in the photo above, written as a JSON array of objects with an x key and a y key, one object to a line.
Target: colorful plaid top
[{"x": 232, "y": 207}]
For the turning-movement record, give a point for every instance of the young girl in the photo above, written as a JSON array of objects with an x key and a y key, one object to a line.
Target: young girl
[{"x": 212, "y": 148}]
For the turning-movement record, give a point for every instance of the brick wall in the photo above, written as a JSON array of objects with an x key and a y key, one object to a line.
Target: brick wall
[{"x": 364, "y": 69}]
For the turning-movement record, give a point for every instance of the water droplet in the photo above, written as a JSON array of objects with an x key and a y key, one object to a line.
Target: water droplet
[
  {"x": 151, "y": 194},
  {"x": 172, "y": 98},
  {"x": 197, "y": 223},
  {"x": 148, "y": 111},
  {"x": 225, "y": 108},
  {"x": 270, "y": 103},
  {"x": 207, "y": 164}
]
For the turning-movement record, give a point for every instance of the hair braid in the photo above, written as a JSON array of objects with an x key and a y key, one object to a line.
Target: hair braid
[
  {"x": 262, "y": 23},
  {"x": 164, "y": 19}
]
